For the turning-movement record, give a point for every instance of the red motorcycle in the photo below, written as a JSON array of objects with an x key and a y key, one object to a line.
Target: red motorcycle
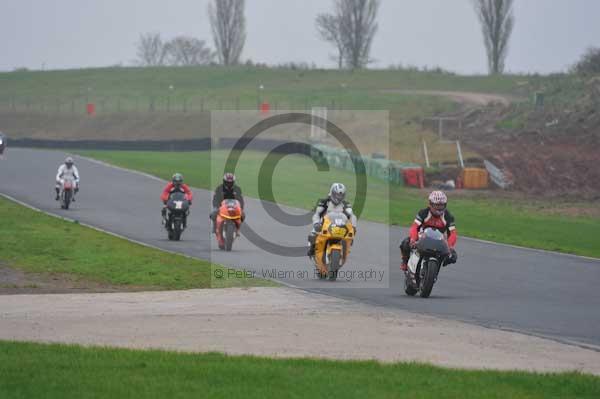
[
  {"x": 66, "y": 192},
  {"x": 228, "y": 222}
]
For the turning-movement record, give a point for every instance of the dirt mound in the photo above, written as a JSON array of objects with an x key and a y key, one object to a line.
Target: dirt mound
[
  {"x": 547, "y": 165},
  {"x": 548, "y": 151}
]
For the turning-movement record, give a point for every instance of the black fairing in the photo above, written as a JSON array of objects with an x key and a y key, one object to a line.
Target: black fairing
[
  {"x": 172, "y": 203},
  {"x": 432, "y": 245}
]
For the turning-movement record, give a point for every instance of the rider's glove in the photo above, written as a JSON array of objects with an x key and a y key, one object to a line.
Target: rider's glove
[
  {"x": 452, "y": 258},
  {"x": 317, "y": 227},
  {"x": 453, "y": 255},
  {"x": 413, "y": 244}
]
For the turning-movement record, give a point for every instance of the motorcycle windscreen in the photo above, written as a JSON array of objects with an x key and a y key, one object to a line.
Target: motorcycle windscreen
[{"x": 432, "y": 242}]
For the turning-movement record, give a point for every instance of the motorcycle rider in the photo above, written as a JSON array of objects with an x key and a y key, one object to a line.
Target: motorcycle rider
[
  {"x": 2, "y": 144},
  {"x": 227, "y": 190},
  {"x": 176, "y": 184},
  {"x": 67, "y": 170},
  {"x": 335, "y": 201},
  {"x": 435, "y": 216}
]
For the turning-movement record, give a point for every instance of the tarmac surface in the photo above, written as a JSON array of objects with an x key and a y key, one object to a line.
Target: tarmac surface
[{"x": 508, "y": 288}]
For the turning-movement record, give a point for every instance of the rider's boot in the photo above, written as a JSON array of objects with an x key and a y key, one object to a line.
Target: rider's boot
[
  {"x": 57, "y": 193},
  {"x": 213, "y": 219},
  {"x": 404, "y": 264}
]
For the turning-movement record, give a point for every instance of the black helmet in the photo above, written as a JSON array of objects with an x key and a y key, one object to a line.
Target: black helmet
[
  {"x": 177, "y": 179},
  {"x": 228, "y": 180}
]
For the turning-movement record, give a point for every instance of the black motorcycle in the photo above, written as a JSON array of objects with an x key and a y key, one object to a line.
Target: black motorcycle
[
  {"x": 431, "y": 253},
  {"x": 175, "y": 216}
]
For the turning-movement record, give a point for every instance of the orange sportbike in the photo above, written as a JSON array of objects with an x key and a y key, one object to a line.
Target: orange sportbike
[
  {"x": 332, "y": 244},
  {"x": 228, "y": 222}
]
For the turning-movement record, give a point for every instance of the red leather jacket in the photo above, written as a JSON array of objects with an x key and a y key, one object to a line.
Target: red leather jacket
[
  {"x": 444, "y": 223},
  {"x": 169, "y": 188}
]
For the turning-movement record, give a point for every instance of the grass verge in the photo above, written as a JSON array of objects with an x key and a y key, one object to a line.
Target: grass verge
[
  {"x": 31, "y": 370},
  {"x": 34, "y": 242},
  {"x": 296, "y": 183}
]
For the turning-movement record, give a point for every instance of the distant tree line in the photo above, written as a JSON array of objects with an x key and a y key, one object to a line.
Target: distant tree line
[
  {"x": 228, "y": 25},
  {"x": 152, "y": 50},
  {"x": 350, "y": 28}
]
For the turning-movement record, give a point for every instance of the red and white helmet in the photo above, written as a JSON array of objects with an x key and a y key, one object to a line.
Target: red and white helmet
[{"x": 437, "y": 202}]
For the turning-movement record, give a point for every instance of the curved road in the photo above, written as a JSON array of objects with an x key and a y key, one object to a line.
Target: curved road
[{"x": 497, "y": 286}]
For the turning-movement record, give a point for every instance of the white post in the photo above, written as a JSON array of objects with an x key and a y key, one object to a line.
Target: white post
[
  {"x": 426, "y": 154},
  {"x": 460, "y": 157},
  {"x": 440, "y": 127},
  {"x": 318, "y": 128}
]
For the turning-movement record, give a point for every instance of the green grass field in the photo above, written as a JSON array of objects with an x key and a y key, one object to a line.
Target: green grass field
[
  {"x": 296, "y": 183},
  {"x": 34, "y": 242},
  {"x": 32, "y": 370},
  {"x": 238, "y": 87}
]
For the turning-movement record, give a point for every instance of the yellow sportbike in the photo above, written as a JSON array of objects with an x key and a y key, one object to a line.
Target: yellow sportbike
[{"x": 332, "y": 244}]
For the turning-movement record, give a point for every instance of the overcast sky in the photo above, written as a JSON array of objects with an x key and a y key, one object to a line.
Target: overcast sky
[{"x": 549, "y": 34}]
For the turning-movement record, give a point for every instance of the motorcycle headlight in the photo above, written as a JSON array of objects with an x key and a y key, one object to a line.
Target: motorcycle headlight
[
  {"x": 1, "y": 141},
  {"x": 338, "y": 231}
]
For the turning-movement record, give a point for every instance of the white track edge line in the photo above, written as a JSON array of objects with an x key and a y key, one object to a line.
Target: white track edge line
[{"x": 54, "y": 215}]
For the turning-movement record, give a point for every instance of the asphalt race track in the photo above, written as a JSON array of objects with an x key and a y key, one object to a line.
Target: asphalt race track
[{"x": 534, "y": 292}]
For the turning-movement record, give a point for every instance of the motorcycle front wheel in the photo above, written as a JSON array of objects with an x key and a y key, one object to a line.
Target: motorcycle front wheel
[
  {"x": 177, "y": 225},
  {"x": 66, "y": 199},
  {"x": 335, "y": 260},
  {"x": 229, "y": 235},
  {"x": 429, "y": 276}
]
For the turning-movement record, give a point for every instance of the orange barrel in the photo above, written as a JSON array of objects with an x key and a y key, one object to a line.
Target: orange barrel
[{"x": 474, "y": 178}]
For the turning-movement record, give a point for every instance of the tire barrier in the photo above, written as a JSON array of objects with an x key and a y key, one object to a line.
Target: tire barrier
[{"x": 382, "y": 169}]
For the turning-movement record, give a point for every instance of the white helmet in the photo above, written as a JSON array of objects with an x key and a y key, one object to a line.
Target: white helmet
[
  {"x": 69, "y": 162},
  {"x": 437, "y": 202},
  {"x": 337, "y": 193}
]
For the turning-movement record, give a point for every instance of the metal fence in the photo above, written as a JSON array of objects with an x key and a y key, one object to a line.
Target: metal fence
[{"x": 154, "y": 104}]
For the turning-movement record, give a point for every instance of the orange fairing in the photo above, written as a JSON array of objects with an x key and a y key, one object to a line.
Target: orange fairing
[{"x": 230, "y": 209}]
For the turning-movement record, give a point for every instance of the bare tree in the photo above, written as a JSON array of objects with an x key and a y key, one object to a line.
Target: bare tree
[
  {"x": 351, "y": 27},
  {"x": 497, "y": 22},
  {"x": 228, "y": 25},
  {"x": 328, "y": 27},
  {"x": 186, "y": 51},
  {"x": 151, "y": 50},
  {"x": 358, "y": 24}
]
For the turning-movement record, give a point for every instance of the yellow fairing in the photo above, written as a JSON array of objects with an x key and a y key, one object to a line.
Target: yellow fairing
[{"x": 332, "y": 238}]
